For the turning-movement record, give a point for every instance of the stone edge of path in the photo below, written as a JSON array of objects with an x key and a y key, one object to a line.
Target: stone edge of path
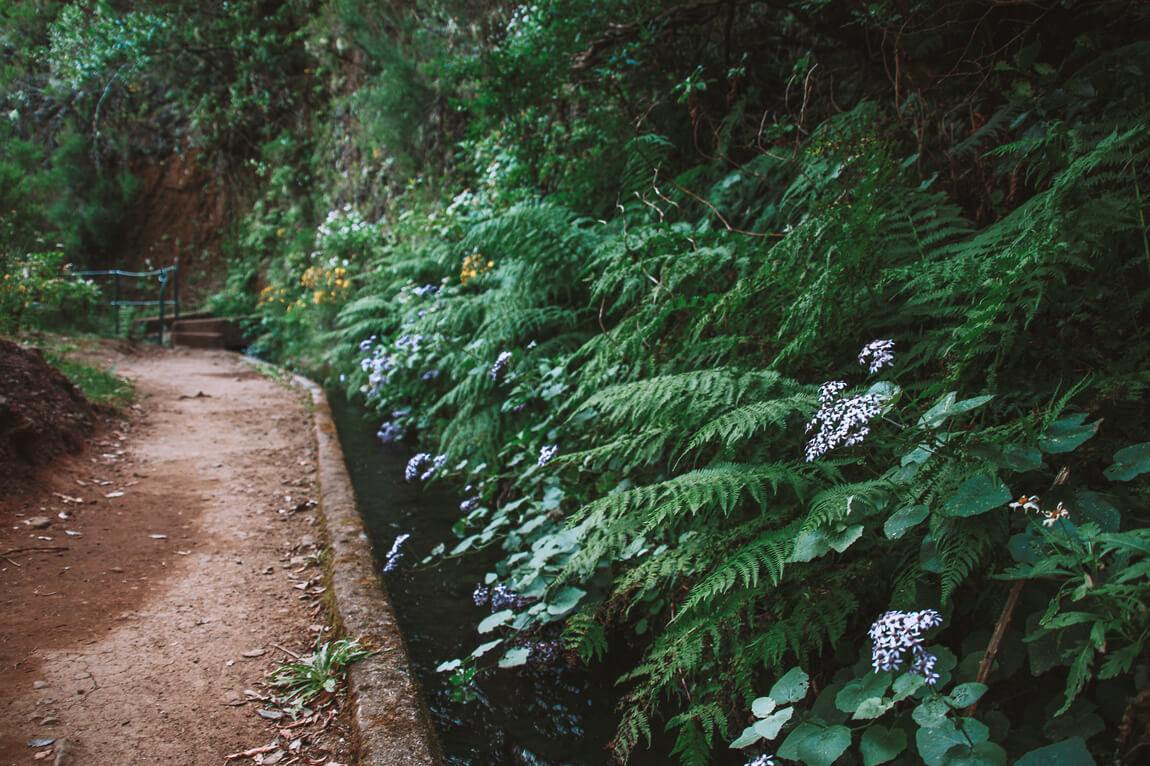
[{"x": 391, "y": 720}]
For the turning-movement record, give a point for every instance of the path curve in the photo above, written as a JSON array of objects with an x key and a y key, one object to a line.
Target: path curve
[{"x": 174, "y": 575}]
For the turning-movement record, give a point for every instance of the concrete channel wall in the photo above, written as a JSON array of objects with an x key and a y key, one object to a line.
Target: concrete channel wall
[{"x": 392, "y": 721}]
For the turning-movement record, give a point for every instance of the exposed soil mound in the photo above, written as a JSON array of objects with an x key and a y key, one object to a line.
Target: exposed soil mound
[{"x": 42, "y": 414}]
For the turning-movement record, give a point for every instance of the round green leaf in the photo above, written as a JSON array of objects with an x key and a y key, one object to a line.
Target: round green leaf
[
  {"x": 981, "y": 754},
  {"x": 977, "y": 495},
  {"x": 1068, "y": 752},
  {"x": 824, "y": 748},
  {"x": 513, "y": 658},
  {"x": 870, "y": 686},
  {"x": 1067, "y": 434},
  {"x": 746, "y": 739},
  {"x": 769, "y": 727},
  {"x": 763, "y": 707},
  {"x": 792, "y": 687},
  {"x": 931, "y": 714},
  {"x": 1129, "y": 462},
  {"x": 967, "y": 694},
  {"x": 880, "y": 744},
  {"x": 903, "y": 519},
  {"x": 933, "y": 743},
  {"x": 493, "y": 621}
]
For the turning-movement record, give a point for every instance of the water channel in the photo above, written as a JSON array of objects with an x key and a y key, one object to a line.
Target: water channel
[{"x": 542, "y": 715}]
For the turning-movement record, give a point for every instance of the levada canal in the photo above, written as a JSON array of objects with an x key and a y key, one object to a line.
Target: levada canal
[{"x": 542, "y": 713}]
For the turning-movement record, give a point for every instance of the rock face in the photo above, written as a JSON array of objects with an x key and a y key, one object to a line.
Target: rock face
[{"x": 42, "y": 414}]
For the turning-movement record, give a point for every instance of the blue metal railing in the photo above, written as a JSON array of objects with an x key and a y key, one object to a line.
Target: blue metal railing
[{"x": 169, "y": 275}]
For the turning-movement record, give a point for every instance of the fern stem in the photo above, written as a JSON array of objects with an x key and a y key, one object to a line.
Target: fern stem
[
  {"x": 1141, "y": 214},
  {"x": 996, "y": 640}
]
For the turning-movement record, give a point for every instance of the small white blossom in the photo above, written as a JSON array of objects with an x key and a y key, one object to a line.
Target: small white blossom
[
  {"x": 840, "y": 421},
  {"x": 877, "y": 354},
  {"x": 546, "y": 454},
  {"x": 897, "y": 632},
  {"x": 500, "y": 362}
]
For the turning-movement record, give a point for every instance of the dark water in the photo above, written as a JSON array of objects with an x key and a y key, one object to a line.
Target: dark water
[{"x": 528, "y": 715}]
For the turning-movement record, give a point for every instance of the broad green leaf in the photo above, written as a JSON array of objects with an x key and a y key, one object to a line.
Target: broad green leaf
[
  {"x": 824, "y": 748},
  {"x": 1091, "y": 506},
  {"x": 513, "y": 658},
  {"x": 746, "y": 739},
  {"x": 903, "y": 519},
  {"x": 931, "y": 714},
  {"x": 872, "y": 708},
  {"x": 1129, "y": 462},
  {"x": 934, "y": 743},
  {"x": 966, "y": 694},
  {"x": 763, "y": 706},
  {"x": 977, "y": 495},
  {"x": 981, "y": 754},
  {"x": 880, "y": 744},
  {"x": 906, "y": 685},
  {"x": 493, "y": 621},
  {"x": 483, "y": 649},
  {"x": 809, "y": 546},
  {"x": 872, "y": 685},
  {"x": 565, "y": 600},
  {"x": 845, "y": 538},
  {"x": 948, "y": 407},
  {"x": 800, "y": 734},
  {"x": 770, "y": 726},
  {"x": 1069, "y": 752},
  {"x": 1019, "y": 458},
  {"x": 443, "y": 667},
  {"x": 792, "y": 687},
  {"x": 1067, "y": 434}
]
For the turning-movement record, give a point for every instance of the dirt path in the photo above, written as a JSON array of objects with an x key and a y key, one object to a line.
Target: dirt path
[{"x": 167, "y": 574}]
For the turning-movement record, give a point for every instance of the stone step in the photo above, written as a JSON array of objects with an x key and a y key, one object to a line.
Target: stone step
[
  {"x": 148, "y": 325},
  {"x": 209, "y": 332},
  {"x": 199, "y": 339}
]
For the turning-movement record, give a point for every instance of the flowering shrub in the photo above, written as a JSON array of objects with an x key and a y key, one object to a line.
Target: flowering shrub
[{"x": 35, "y": 285}]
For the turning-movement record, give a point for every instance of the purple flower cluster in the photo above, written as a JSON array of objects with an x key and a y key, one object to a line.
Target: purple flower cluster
[
  {"x": 546, "y": 454},
  {"x": 877, "y": 354},
  {"x": 389, "y": 432},
  {"x": 499, "y": 597},
  {"x": 417, "y": 463},
  {"x": 840, "y": 420},
  {"x": 896, "y": 632},
  {"x": 469, "y": 505},
  {"x": 762, "y": 760},
  {"x": 425, "y": 290},
  {"x": 500, "y": 362},
  {"x": 548, "y": 652},
  {"x": 395, "y": 554}
]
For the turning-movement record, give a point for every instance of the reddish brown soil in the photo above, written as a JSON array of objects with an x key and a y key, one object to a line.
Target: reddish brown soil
[{"x": 172, "y": 576}]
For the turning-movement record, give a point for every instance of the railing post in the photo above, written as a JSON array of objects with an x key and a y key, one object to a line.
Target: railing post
[
  {"x": 116, "y": 300},
  {"x": 176, "y": 291},
  {"x": 160, "y": 329}
]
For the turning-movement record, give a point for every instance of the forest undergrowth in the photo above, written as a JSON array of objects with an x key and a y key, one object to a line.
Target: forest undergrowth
[{"x": 797, "y": 351}]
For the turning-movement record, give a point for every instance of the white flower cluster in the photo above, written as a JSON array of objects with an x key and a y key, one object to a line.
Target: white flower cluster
[
  {"x": 762, "y": 760},
  {"x": 546, "y": 454},
  {"x": 841, "y": 421},
  {"x": 395, "y": 554},
  {"x": 896, "y": 632},
  {"x": 417, "y": 463},
  {"x": 877, "y": 354},
  {"x": 500, "y": 362}
]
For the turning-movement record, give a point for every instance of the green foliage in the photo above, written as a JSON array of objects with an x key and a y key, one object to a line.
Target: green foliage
[
  {"x": 320, "y": 673},
  {"x": 641, "y": 238},
  {"x": 36, "y": 288}
]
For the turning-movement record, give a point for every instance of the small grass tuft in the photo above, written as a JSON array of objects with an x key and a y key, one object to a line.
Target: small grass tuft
[{"x": 320, "y": 673}]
